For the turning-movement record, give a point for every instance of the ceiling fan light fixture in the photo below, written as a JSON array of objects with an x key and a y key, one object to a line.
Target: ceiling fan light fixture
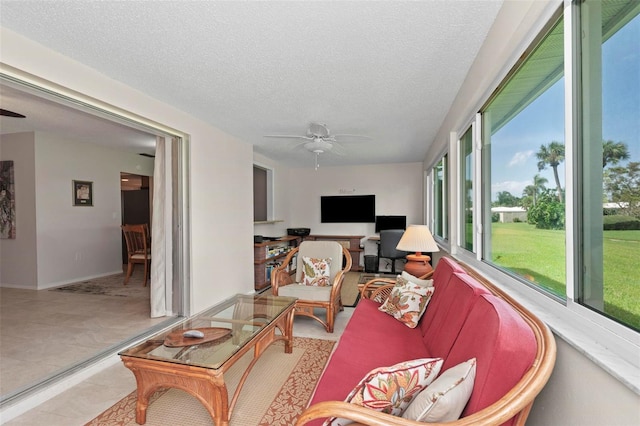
[{"x": 318, "y": 145}]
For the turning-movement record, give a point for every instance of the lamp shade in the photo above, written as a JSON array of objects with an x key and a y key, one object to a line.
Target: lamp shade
[{"x": 417, "y": 238}]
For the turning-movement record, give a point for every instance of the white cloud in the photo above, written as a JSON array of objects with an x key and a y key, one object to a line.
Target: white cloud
[{"x": 520, "y": 158}]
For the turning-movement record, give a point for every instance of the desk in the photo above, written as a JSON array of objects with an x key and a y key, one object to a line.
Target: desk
[
  {"x": 199, "y": 368},
  {"x": 350, "y": 242}
]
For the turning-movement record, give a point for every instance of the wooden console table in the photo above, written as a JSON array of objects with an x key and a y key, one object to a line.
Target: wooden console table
[{"x": 350, "y": 242}]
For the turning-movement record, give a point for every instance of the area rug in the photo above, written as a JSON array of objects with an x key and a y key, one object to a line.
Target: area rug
[
  {"x": 349, "y": 291},
  {"x": 276, "y": 391},
  {"x": 111, "y": 285}
]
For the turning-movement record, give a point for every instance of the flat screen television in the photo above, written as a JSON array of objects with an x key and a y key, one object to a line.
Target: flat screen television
[
  {"x": 390, "y": 222},
  {"x": 348, "y": 208}
]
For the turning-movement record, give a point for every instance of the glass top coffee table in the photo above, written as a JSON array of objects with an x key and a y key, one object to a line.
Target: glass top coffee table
[{"x": 216, "y": 339}]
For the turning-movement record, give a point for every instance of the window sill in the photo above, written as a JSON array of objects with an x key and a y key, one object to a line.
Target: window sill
[{"x": 267, "y": 222}]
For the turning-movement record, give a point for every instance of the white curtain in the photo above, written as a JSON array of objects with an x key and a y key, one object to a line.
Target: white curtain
[{"x": 159, "y": 235}]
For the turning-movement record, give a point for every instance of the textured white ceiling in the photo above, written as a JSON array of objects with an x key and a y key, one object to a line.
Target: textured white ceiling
[{"x": 389, "y": 70}]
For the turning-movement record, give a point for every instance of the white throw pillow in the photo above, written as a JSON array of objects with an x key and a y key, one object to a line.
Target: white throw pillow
[
  {"x": 424, "y": 283},
  {"x": 445, "y": 398}
]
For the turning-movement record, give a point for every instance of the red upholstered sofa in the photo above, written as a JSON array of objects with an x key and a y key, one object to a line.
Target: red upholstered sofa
[{"x": 467, "y": 317}]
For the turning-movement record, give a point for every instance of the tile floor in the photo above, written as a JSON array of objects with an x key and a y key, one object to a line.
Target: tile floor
[
  {"x": 85, "y": 401},
  {"x": 42, "y": 332}
]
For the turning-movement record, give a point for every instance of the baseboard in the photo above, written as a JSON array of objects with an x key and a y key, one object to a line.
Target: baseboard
[{"x": 75, "y": 280}]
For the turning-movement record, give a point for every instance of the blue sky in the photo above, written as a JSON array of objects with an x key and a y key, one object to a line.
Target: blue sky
[{"x": 514, "y": 162}]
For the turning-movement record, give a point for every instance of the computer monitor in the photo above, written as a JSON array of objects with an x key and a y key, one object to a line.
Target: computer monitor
[{"x": 390, "y": 222}]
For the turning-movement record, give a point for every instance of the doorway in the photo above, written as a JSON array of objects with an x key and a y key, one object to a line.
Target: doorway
[
  {"x": 136, "y": 202},
  {"x": 31, "y": 382}
]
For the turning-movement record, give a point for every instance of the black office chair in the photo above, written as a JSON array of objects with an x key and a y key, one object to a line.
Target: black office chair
[{"x": 389, "y": 239}]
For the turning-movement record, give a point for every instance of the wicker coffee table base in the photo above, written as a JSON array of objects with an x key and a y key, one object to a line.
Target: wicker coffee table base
[{"x": 206, "y": 384}]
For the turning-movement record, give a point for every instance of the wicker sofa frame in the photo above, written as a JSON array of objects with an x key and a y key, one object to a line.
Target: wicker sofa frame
[{"x": 517, "y": 402}]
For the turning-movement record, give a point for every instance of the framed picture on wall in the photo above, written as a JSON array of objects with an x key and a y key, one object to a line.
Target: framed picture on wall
[{"x": 82, "y": 193}]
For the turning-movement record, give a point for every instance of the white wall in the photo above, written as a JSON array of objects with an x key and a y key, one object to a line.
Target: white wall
[
  {"x": 76, "y": 243},
  {"x": 219, "y": 170},
  {"x": 398, "y": 189},
  {"x": 579, "y": 393},
  {"x": 18, "y": 257}
]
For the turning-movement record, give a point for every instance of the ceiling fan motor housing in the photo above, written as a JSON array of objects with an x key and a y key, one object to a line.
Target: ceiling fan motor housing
[{"x": 318, "y": 130}]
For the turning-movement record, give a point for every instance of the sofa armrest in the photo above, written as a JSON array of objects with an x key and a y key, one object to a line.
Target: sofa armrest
[
  {"x": 494, "y": 415},
  {"x": 377, "y": 289}
]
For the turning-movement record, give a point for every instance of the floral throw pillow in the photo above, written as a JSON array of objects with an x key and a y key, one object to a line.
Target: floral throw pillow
[
  {"x": 407, "y": 302},
  {"x": 391, "y": 389},
  {"x": 316, "y": 272}
]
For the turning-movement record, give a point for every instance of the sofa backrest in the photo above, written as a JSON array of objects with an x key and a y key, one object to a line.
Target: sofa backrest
[
  {"x": 504, "y": 347},
  {"x": 443, "y": 273},
  {"x": 453, "y": 306}
]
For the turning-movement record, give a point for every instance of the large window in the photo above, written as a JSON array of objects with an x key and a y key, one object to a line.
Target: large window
[
  {"x": 440, "y": 199},
  {"x": 466, "y": 189},
  {"x": 523, "y": 165},
  {"x": 609, "y": 145}
]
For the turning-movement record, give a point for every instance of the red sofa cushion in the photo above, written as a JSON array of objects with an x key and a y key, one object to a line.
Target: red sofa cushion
[
  {"x": 372, "y": 339},
  {"x": 441, "y": 276},
  {"x": 503, "y": 345},
  {"x": 453, "y": 307}
]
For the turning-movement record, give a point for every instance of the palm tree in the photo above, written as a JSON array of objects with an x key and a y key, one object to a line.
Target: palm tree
[
  {"x": 528, "y": 196},
  {"x": 538, "y": 184},
  {"x": 613, "y": 152},
  {"x": 552, "y": 155}
]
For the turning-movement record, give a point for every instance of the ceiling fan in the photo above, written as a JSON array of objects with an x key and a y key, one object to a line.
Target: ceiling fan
[
  {"x": 319, "y": 140},
  {"x": 7, "y": 113}
]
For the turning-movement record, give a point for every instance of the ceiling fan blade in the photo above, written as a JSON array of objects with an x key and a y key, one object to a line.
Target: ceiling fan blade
[
  {"x": 288, "y": 136},
  {"x": 351, "y": 136},
  {"x": 338, "y": 149},
  {"x": 8, "y": 113}
]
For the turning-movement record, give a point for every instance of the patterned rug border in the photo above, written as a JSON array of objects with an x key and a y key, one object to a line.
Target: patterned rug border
[{"x": 284, "y": 409}]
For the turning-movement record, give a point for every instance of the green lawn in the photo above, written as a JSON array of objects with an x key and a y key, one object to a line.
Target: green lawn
[{"x": 538, "y": 255}]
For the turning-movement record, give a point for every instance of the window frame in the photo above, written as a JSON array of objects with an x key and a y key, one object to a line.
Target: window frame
[
  {"x": 610, "y": 345},
  {"x": 443, "y": 202}
]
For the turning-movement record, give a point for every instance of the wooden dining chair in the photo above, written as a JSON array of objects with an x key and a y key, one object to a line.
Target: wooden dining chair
[{"x": 138, "y": 249}]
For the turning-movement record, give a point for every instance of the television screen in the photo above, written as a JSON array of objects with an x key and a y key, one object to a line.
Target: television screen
[
  {"x": 390, "y": 222},
  {"x": 348, "y": 208}
]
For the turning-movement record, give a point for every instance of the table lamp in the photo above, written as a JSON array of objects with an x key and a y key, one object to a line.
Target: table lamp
[{"x": 417, "y": 238}]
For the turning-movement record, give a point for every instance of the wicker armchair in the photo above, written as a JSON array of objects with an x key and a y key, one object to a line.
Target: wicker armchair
[{"x": 284, "y": 283}]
